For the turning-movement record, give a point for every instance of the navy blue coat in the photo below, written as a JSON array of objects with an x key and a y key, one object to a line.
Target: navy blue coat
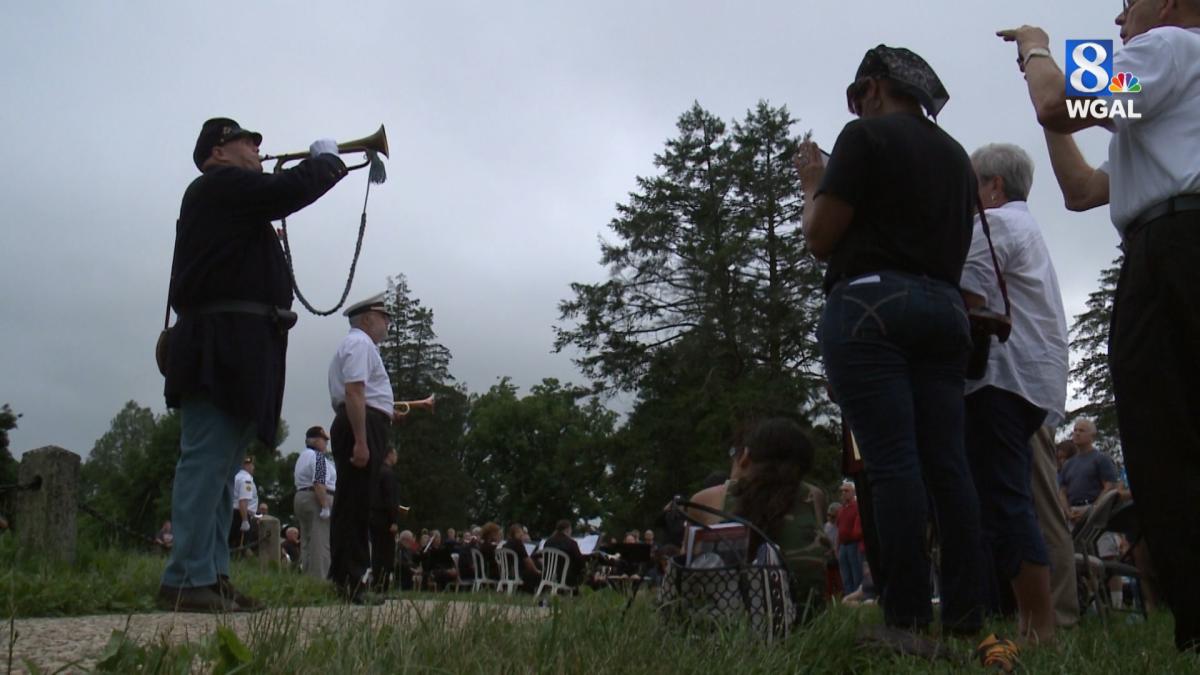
[{"x": 227, "y": 249}]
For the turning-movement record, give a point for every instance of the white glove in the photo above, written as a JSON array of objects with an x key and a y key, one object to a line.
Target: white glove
[
  {"x": 245, "y": 526},
  {"x": 325, "y": 146},
  {"x": 325, "y": 513}
]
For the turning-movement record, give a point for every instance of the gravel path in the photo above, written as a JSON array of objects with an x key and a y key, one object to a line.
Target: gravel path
[{"x": 74, "y": 643}]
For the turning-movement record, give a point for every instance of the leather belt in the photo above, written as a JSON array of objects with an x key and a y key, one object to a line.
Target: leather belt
[
  {"x": 284, "y": 318},
  {"x": 1176, "y": 204},
  {"x": 309, "y": 489}
]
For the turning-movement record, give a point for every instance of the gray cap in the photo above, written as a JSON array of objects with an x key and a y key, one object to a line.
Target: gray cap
[{"x": 375, "y": 303}]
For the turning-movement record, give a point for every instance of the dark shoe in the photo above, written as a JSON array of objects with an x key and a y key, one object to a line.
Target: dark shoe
[
  {"x": 366, "y": 600},
  {"x": 903, "y": 642},
  {"x": 195, "y": 599},
  {"x": 245, "y": 602}
]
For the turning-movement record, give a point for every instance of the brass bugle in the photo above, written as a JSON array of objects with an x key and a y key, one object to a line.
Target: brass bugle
[
  {"x": 376, "y": 142},
  {"x": 403, "y": 407}
]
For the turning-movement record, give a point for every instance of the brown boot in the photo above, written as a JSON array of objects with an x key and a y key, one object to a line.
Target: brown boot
[{"x": 247, "y": 604}]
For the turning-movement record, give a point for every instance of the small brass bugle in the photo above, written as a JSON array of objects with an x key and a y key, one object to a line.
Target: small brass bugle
[
  {"x": 404, "y": 407},
  {"x": 376, "y": 142}
]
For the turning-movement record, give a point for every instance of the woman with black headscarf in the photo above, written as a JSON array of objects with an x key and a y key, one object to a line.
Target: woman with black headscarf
[{"x": 893, "y": 217}]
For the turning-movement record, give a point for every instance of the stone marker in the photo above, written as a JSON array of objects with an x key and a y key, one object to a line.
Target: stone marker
[
  {"x": 46, "y": 515},
  {"x": 268, "y": 540}
]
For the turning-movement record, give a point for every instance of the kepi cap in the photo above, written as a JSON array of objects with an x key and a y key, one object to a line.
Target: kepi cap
[
  {"x": 219, "y": 131},
  {"x": 375, "y": 303},
  {"x": 316, "y": 432}
]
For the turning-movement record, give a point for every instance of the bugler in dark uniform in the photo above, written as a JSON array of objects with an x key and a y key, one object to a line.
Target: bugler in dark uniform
[{"x": 225, "y": 367}]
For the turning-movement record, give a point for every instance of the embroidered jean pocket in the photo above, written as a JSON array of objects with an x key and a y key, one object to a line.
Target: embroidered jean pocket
[{"x": 872, "y": 310}]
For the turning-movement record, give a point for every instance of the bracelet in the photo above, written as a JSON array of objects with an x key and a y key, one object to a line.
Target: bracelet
[{"x": 1034, "y": 52}]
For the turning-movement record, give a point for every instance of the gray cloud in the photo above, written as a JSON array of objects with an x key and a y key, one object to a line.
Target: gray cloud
[{"x": 515, "y": 128}]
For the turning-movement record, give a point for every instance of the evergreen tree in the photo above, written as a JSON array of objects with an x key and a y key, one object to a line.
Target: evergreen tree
[
  {"x": 1090, "y": 376},
  {"x": 8, "y": 465},
  {"x": 673, "y": 272},
  {"x": 429, "y": 446},
  {"x": 710, "y": 309}
]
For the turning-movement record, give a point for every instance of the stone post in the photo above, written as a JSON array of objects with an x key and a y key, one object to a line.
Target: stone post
[
  {"x": 268, "y": 541},
  {"x": 46, "y": 515}
]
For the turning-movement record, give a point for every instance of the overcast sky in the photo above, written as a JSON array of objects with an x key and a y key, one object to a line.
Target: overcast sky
[{"x": 514, "y": 127}]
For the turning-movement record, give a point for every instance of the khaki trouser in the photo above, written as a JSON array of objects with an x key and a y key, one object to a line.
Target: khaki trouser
[
  {"x": 314, "y": 534},
  {"x": 1055, "y": 530}
]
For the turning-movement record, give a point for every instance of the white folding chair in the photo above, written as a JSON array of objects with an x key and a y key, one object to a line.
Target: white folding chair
[
  {"x": 458, "y": 582},
  {"x": 555, "y": 565},
  {"x": 481, "y": 577},
  {"x": 509, "y": 576}
]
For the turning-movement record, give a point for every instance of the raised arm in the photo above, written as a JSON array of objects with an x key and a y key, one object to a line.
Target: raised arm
[
  {"x": 1083, "y": 187},
  {"x": 277, "y": 195}
]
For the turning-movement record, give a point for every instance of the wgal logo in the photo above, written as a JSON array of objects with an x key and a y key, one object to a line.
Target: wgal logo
[{"x": 1090, "y": 76}]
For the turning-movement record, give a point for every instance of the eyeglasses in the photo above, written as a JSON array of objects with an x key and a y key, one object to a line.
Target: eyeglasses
[{"x": 1126, "y": 4}]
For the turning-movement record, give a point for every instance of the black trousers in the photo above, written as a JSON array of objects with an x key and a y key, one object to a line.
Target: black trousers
[
  {"x": 349, "y": 525},
  {"x": 237, "y": 538},
  {"x": 383, "y": 550},
  {"x": 1154, "y": 354}
]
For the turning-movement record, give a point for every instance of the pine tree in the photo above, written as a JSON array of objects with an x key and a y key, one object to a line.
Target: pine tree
[
  {"x": 1090, "y": 376},
  {"x": 673, "y": 273},
  {"x": 429, "y": 446},
  {"x": 711, "y": 306}
]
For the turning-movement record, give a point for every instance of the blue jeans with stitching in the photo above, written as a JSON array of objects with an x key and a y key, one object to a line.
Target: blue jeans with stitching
[
  {"x": 211, "y": 447},
  {"x": 895, "y": 349}
]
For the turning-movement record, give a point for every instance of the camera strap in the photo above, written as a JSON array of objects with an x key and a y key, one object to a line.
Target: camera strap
[{"x": 987, "y": 232}]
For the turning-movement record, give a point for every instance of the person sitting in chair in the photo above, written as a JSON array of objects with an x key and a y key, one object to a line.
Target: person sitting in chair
[
  {"x": 526, "y": 569},
  {"x": 562, "y": 541},
  {"x": 767, "y": 488}
]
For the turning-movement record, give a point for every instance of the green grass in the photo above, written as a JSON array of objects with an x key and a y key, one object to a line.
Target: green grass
[{"x": 587, "y": 634}]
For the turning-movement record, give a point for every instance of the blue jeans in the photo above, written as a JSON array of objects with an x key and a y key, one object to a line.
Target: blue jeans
[
  {"x": 1000, "y": 427},
  {"x": 850, "y": 564},
  {"x": 895, "y": 349},
  {"x": 211, "y": 447}
]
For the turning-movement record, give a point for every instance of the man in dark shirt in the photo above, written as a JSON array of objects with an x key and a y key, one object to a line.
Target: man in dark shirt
[
  {"x": 384, "y": 515},
  {"x": 231, "y": 289},
  {"x": 562, "y": 541}
]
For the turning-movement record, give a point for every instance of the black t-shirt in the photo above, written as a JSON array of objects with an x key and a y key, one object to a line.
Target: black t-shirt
[{"x": 913, "y": 193}]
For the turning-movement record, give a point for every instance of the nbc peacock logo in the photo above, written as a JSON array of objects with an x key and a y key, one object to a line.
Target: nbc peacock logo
[{"x": 1125, "y": 83}]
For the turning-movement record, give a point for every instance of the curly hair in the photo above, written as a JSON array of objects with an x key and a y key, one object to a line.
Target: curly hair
[{"x": 780, "y": 456}]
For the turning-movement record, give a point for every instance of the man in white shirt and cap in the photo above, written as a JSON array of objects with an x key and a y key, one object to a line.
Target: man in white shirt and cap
[
  {"x": 1151, "y": 183},
  {"x": 316, "y": 484},
  {"x": 362, "y": 398},
  {"x": 242, "y": 530}
]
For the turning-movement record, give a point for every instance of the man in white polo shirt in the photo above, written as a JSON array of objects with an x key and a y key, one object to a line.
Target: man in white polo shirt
[
  {"x": 362, "y": 399},
  {"x": 1152, "y": 184},
  {"x": 316, "y": 484}
]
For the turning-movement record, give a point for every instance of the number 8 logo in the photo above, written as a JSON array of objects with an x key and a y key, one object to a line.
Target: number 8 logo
[{"x": 1089, "y": 58}]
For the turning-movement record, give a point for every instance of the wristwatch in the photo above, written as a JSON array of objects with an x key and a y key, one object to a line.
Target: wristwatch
[{"x": 1036, "y": 51}]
